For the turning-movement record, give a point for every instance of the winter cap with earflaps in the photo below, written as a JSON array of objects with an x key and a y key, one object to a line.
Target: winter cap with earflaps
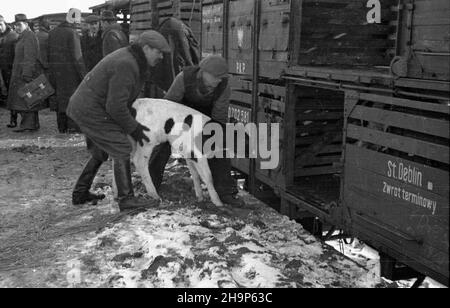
[
  {"x": 73, "y": 16},
  {"x": 215, "y": 65},
  {"x": 154, "y": 39}
]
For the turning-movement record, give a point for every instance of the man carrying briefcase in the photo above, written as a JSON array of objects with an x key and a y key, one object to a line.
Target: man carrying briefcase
[{"x": 26, "y": 68}]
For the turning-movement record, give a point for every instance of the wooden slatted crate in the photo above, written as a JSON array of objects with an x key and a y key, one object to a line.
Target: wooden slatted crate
[
  {"x": 337, "y": 33},
  {"x": 319, "y": 123}
]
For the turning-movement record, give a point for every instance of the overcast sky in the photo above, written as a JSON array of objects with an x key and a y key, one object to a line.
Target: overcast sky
[{"x": 35, "y": 8}]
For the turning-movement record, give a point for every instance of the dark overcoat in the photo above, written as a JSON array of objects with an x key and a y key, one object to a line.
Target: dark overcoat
[
  {"x": 101, "y": 105},
  {"x": 113, "y": 38},
  {"x": 92, "y": 49},
  {"x": 8, "y": 41},
  {"x": 66, "y": 63},
  {"x": 42, "y": 37},
  {"x": 26, "y": 64}
]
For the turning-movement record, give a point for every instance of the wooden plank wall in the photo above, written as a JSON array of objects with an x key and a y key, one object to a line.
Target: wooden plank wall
[
  {"x": 430, "y": 58},
  {"x": 141, "y": 16},
  {"x": 189, "y": 11}
]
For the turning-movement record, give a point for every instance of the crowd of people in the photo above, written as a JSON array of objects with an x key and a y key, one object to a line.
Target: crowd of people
[
  {"x": 60, "y": 53},
  {"x": 97, "y": 76}
]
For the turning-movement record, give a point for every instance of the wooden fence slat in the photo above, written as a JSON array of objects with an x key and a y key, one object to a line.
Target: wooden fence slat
[
  {"x": 317, "y": 171},
  {"x": 241, "y": 97},
  {"x": 398, "y": 119},
  {"x": 441, "y": 108},
  {"x": 409, "y": 145}
]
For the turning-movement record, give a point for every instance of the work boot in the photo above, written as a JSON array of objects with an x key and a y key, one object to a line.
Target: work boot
[
  {"x": 81, "y": 194},
  {"x": 127, "y": 200},
  {"x": 12, "y": 120},
  {"x": 232, "y": 200}
]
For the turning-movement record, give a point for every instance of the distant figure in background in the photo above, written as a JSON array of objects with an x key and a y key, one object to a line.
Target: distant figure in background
[
  {"x": 185, "y": 51},
  {"x": 8, "y": 40},
  {"x": 113, "y": 36},
  {"x": 67, "y": 68},
  {"x": 185, "y": 47},
  {"x": 126, "y": 29},
  {"x": 91, "y": 42},
  {"x": 26, "y": 68}
]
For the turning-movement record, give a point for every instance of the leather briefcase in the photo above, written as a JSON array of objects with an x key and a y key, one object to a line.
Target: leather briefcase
[{"x": 36, "y": 91}]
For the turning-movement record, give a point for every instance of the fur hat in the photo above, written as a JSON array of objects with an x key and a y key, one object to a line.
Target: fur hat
[{"x": 73, "y": 16}]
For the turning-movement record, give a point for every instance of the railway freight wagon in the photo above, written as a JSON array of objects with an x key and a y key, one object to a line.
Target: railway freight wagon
[{"x": 361, "y": 91}]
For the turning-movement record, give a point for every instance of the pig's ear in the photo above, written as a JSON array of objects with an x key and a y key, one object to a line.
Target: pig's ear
[
  {"x": 188, "y": 121},
  {"x": 133, "y": 112},
  {"x": 169, "y": 125}
]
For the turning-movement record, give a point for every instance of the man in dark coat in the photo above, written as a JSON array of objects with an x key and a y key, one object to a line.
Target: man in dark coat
[
  {"x": 42, "y": 36},
  {"x": 101, "y": 106},
  {"x": 8, "y": 40},
  {"x": 67, "y": 69},
  {"x": 204, "y": 88},
  {"x": 113, "y": 36},
  {"x": 91, "y": 42},
  {"x": 26, "y": 68},
  {"x": 185, "y": 51}
]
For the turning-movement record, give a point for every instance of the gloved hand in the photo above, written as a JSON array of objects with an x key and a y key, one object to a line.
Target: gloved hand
[
  {"x": 138, "y": 134},
  {"x": 27, "y": 79}
]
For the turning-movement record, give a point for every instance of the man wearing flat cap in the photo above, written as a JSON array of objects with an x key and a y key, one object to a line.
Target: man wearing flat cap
[
  {"x": 113, "y": 36},
  {"x": 204, "y": 88},
  {"x": 101, "y": 106},
  {"x": 26, "y": 68}
]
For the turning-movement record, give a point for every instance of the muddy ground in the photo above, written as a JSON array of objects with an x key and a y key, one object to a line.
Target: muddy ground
[{"x": 47, "y": 242}]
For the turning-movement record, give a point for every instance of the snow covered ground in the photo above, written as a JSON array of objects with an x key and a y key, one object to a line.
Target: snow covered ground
[
  {"x": 370, "y": 259},
  {"x": 183, "y": 244}
]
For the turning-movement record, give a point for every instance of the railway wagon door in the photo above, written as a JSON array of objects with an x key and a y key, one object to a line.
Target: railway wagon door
[
  {"x": 238, "y": 49},
  {"x": 396, "y": 178}
]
